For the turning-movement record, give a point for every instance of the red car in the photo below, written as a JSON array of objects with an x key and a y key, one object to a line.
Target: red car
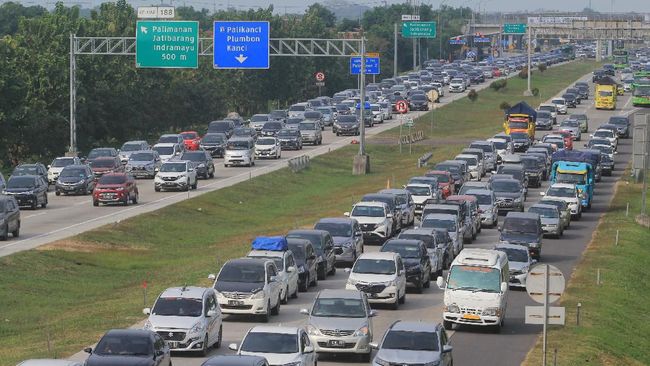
[
  {"x": 116, "y": 188},
  {"x": 105, "y": 165},
  {"x": 445, "y": 181},
  {"x": 191, "y": 139},
  {"x": 496, "y": 72},
  {"x": 568, "y": 139}
]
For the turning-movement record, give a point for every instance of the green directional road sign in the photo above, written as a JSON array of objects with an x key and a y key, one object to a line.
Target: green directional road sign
[
  {"x": 167, "y": 44},
  {"x": 514, "y": 28},
  {"x": 419, "y": 29}
]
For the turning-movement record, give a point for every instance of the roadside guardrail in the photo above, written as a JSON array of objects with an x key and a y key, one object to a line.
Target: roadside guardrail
[
  {"x": 298, "y": 163},
  {"x": 412, "y": 138},
  {"x": 424, "y": 159}
]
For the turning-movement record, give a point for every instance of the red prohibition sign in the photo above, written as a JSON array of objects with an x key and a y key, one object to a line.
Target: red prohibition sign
[
  {"x": 402, "y": 106},
  {"x": 320, "y": 76}
]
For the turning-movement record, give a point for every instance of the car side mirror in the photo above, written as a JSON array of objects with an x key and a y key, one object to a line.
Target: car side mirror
[
  {"x": 358, "y": 233},
  {"x": 542, "y": 193},
  {"x": 447, "y": 348},
  {"x": 88, "y": 350},
  {"x": 308, "y": 349},
  {"x": 389, "y": 216},
  {"x": 533, "y": 261},
  {"x": 291, "y": 269},
  {"x": 346, "y": 214},
  {"x": 401, "y": 272},
  {"x": 274, "y": 279},
  {"x": 440, "y": 282},
  {"x": 212, "y": 276},
  {"x": 347, "y": 270},
  {"x": 232, "y": 346},
  {"x": 615, "y": 152},
  {"x": 304, "y": 311},
  {"x": 49, "y": 166},
  {"x": 146, "y": 311},
  {"x": 504, "y": 286},
  {"x": 374, "y": 345}
]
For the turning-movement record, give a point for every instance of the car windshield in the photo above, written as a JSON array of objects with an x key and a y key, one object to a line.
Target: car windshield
[
  {"x": 544, "y": 212},
  {"x": 172, "y": 139},
  {"x": 69, "y": 173},
  {"x": 194, "y": 156},
  {"x": 519, "y": 135},
  {"x": 260, "y": 118},
  {"x": 420, "y": 97},
  {"x": 286, "y": 134},
  {"x": 266, "y": 141},
  {"x": 279, "y": 263},
  {"x": 518, "y": 125},
  {"x": 618, "y": 121},
  {"x": 441, "y": 178},
  {"x": 102, "y": 163},
  {"x": 515, "y": 255},
  {"x": 604, "y": 149},
  {"x": 500, "y": 145},
  {"x": 141, "y": 157},
  {"x": 258, "y": 342},
  {"x": 548, "y": 108},
  {"x": 419, "y": 191},
  {"x": 335, "y": 229},
  {"x": 449, "y": 225},
  {"x": 529, "y": 163},
  {"x": 367, "y": 211},
  {"x": 242, "y": 132},
  {"x": 339, "y": 308},
  {"x": 558, "y": 101},
  {"x": 411, "y": 341},
  {"x": 237, "y": 145},
  {"x": 21, "y": 182},
  {"x": 603, "y": 133},
  {"x": 506, "y": 186},
  {"x": 272, "y": 126},
  {"x": 173, "y": 167},
  {"x": 124, "y": 345},
  {"x": 62, "y": 162},
  {"x": 483, "y": 199},
  {"x": 561, "y": 192},
  {"x": 178, "y": 306},
  {"x": 347, "y": 119},
  {"x": 518, "y": 225},
  {"x": 470, "y": 161},
  {"x": 277, "y": 114},
  {"x": 543, "y": 114},
  {"x": 307, "y": 126},
  {"x": 164, "y": 150},
  {"x": 99, "y": 152},
  {"x": 374, "y": 266},
  {"x": 25, "y": 170},
  {"x": 570, "y": 178},
  {"x": 242, "y": 273},
  {"x": 570, "y": 123},
  {"x": 298, "y": 251},
  {"x": 405, "y": 251},
  {"x": 297, "y": 108},
  {"x": 475, "y": 279},
  {"x": 324, "y": 111},
  {"x": 221, "y": 126},
  {"x": 112, "y": 179}
]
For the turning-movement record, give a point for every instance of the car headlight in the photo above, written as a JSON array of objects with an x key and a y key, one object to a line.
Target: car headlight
[
  {"x": 258, "y": 295},
  {"x": 201, "y": 166},
  {"x": 518, "y": 200},
  {"x": 181, "y": 176},
  {"x": 347, "y": 244},
  {"x": 381, "y": 362},
  {"x": 492, "y": 312},
  {"x": 119, "y": 188},
  {"x": 312, "y": 330},
  {"x": 582, "y": 195},
  {"x": 361, "y": 332},
  {"x": 301, "y": 269},
  {"x": 352, "y": 282},
  {"x": 452, "y": 308},
  {"x": 147, "y": 325},
  {"x": 197, "y": 328},
  {"x": 390, "y": 283}
]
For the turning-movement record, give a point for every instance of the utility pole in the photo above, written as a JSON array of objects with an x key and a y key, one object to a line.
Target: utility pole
[
  {"x": 362, "y": 104},
  {"x": 73, "y": 98},
  {"x": 528, "y": 91},
  {"x": 395, "y": 52}
]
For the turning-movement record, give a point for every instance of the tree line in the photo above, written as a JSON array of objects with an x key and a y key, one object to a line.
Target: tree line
[{"x": 119, "y": 102}]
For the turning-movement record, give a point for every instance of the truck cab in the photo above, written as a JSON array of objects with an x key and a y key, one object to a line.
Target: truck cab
[
  {"x": 605, "y": 94},
  {"x": 580, "y": 174}
]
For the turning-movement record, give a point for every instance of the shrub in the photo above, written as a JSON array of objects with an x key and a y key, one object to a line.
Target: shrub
[
  {"x": 535, "y": 91},
  {"x": 541, "y": 67},
  {"x": 499, "y": 84},
  {"x": 504, "y": 106},
  {"x": 524, "y": 73},
  {"x": 472, "y": 95}
]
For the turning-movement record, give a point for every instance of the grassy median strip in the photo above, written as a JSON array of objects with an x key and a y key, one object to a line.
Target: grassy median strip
[
  {"x": 63, "y": 296},
  {"x": 614, "y": 329}
]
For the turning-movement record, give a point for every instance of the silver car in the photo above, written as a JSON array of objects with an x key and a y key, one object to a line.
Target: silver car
[
  {"x": 143, "y": 164},
  {"x": 487, "y": 204},
  {"x": 311, "y": 132},
  {"x": 550, "y": 217},
  {"x": 573, "y": 127},
  {"x": 414, "y": 343},
  {"x": 340, "y": 321}
]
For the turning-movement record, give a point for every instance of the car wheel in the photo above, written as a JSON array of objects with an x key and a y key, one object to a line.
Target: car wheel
[
  {"x": 95, "y": 203},
  {"x": 135, "y": 199},
  {"x": 225, "y": 165},
  {"x": 276, "y": 309},
  {"x": 44, "y": 204},
  {"x": 294, "y": 295},
  {"x": 402, "y": 299},
  {"x": 395, "y": 305},
  {"x": 126, "y": 200},
  {"x": 157, "y": 189},
  {"x": 217, "y": 344},
  {"x": 266, "y": 316},
  {"x": 338, "y": 134},
  {"x": 285, "y": 298},
  {"x": 427, "y": 283},
  {"x": 204, "y": 351},
  {"x": 419, "y": 285},
  {"x": 332, "y": 272},
  {"x": 365, "y": 357},
  {"x": 57, "y": 193},
  {"x": 196, "y": 184},
  {"x": 303, "y": 287},
  {"x": 447, "y": 324},
  {"x": 211, "y": 175},
  {"x": 5, "y": 233},
  {"x": 314, "y": 281},
  {"x": 16, "y": 233},
  {"x": 321, "y": 273},
  {"x": 34, "y": 205}
]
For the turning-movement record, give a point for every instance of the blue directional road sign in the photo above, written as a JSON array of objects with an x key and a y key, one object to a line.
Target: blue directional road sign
[
  {"x": 366, "y": 105},
  {"x": 372, "y": 65},
  {"x": 241, "y": 45}
]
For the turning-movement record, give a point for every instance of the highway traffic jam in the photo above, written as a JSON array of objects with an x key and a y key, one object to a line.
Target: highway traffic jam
[{"x": 392, "y": 244}]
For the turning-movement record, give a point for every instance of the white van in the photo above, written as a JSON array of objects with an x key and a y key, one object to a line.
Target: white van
[{"x": 476, "y": 290}]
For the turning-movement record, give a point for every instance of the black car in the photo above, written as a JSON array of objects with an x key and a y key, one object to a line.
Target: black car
[
  {"x": 367, "y": 117},
  {"x": 583, "y": 90},
  {"x": 346, "y": 125},
  {"x": 245, "y": 132},
  {"x": 225, "y": 127},
  {"x": 323, "y": 247},
  {"x": 419, "y": 102},
  {"x": 214, "y": 143},
  {"x": 305, "y": 256},
  {"x": 416, "y": 260},
  {"x": 272, "y": 128},
  {"x": 202, "y": 161},
  {"x": 544, "y": 120},
  {"x": 101, "y": 152},
  {"x": 279, "y": 115},
  {"x": 534, "y": 170},
  {"x": 523, "y": 228},
  {"x": 575, "y": 92},
  {"x": 597, "y": 75},
  {"x": 129, "y": 347},
  {"x": 517, "y": 171},
  {"x": 10, "y": 216},
  {"x": 289, "y": 139},
  {"x": 607, "y": 164},
  {"x": 520, "y": 141},
  {"x": 75, "y": 179},
  {"x": 31, "y": 169},
  {"x": 28, "y": 190},
  {"x": 571, "y": 100},
  {"x": 622, "y": 124}
]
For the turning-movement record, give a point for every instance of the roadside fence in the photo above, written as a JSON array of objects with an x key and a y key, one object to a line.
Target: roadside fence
[{"x": 298, "y": 163}]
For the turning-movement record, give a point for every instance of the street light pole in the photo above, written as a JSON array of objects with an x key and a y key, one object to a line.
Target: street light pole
[
  {"x": 362, "y": 103},
  {"x": 528, "y": 91}
]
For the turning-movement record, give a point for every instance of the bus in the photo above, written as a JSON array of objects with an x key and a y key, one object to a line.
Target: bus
[
  {"x": 621, "y": 59},
  {"x": 641, "y": 94}
]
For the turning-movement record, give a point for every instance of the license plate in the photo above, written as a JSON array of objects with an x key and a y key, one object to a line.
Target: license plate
[
  {"x": 172, "y": 344},
  {"x": 471, "y": 317},
  {"x": 336, "y": 343},
  {"x": 374, "y": 296},
  {"x": 235, "y": 303}
]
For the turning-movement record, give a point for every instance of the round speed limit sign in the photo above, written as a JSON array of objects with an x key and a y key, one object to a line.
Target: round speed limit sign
[{"x": 320, "y": 76}]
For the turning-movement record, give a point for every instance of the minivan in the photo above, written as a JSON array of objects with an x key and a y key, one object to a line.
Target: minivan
[
  {"x": 523, "y": 228},
  {"x": 240, "y": 151}
]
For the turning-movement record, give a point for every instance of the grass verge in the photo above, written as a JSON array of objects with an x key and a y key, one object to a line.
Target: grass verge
[
  {"x": 61, "y": 297},
  {"x": 613, "y": 329}
]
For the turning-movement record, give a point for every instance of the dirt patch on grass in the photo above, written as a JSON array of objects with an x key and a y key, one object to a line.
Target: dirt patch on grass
[{"x": 67, "y": 245}]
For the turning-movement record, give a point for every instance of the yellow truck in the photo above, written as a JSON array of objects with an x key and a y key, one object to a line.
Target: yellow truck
[
  {"x": 520, "y": 118},
  {"x": 606, "y": 93}
]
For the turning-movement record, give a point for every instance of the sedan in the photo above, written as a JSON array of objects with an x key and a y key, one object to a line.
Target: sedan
[
  {"x": 414, "y": 343},
  {"x": 129, "y": 347},
  {"x": 279, "y": 345}
]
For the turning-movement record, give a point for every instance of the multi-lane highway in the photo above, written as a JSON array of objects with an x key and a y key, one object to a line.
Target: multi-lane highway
[{"x": 471, "y": 346}]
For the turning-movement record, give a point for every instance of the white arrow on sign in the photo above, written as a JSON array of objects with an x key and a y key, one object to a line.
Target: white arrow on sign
[
  {"x": 241, "y": 58},
  {"x": 143, "y": 30}
]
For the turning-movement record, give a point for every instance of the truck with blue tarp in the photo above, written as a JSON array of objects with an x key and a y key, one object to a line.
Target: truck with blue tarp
[{"x": 575, "y": 168}]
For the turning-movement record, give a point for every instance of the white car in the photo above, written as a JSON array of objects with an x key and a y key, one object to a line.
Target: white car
[
  {"x": 167, "y": 150},
  {"x": 248, "y": 286},
  {"x": 609, "y": 135},
  {"x": 457, "y": 85},
  {"x": 552, "y": 109},
  {"x": 387, "y": 110},
  {"x": 179, "y": 175},
  {"x": 375, "y": 220},
  {"x": 475, "y": 169},
  {"x": 268, "y": 147},
  {"x": 286, "y": 346},
  {"x": 502, "y": 146},
  {"x": 439, "y": 88},
  {"x": 560, "y": 104},
  {"x": 381, "y": 275},
  {"x": 519, "y": 263},
  {"x": 287, "y": 270},
  {"x": 567, "y": 193},
  {"x": 421, "y": 193},
  {"x": 54, "y": 169},
  {"x": 377, "y": 113},
  {"x": 187, "y": 318}
]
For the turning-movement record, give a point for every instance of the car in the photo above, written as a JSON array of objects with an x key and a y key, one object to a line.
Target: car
[
  {"x": 271, "y": 128},
  {"x": 130, "y": 147},
  {"x": 476, "y": 185},
  {"x": 346, "y": 235},
  {"x": 405, "y": 205},
  {"x": 510, "y": 194},
  {"x": 573, "y": 127},
  {"x": 421, "y": 194},
  {"x": 517, "y": 171},
  {"x": 257, "y": 122},
  {"x": 502, "y": 146},
  {"x": 191, "y": 139},
  {"x": 474, "y": 165},
  {"x": 520, "y": 141},
  {"x": 75, "y": 179},
  {"x": 606, "y": 162},
  {"x": 457, "y": 85},
  {"x": 534, "y": 170},
  {"x": 414, "y": 343},
  {"x": 284, "y": 260},
  {"x": 293, "y": 123},
  {"x": 560, "y": 104},
  {"x": 576, "y": 93},
  {"x": 488, "y": 208},
  {"x": 606, "y": 134},
  {"x": 176, "y": 175},
  {"x": 214, "y": 143},
  {"x": 9, "y": 217},
  {"x": 490, "y": 153},
  {"x": 289, "y": 139},
  {"x": 49, "y": 362},
  {"x": 415, "y": 257},
  {"x": 571, "y": 100},
  {"x": 519, "y": 263},
  {"x": 201, "y": 162},
  {"x": 305, "y": 257},
  {"x": 622, "y": 124},
  {"x": 569, "y": 194},
  {"x": 314, "y": 116},
  {"x": 105, "y": 165},
  {"x": 116, "y": 188},
  {"x": 248, "y": 286},
  {"x": 381, "y": 276},
  {"x": 551, "y": 108},
  {"x": 298, "y": 110},
  {"x": 28, "y": 190},
  {"x": 562, "y": 206},
  {"x": 445, "y": 181},
  {"x": 280, "y": 345},
  {"x": 128, "y": 347},
  {"x": 523, "y": 228},
  {"x": 583, "y": 119},
  {"x": 340, "y": 321},
  {"x": 57, "y": 165},
  {"x": 439, "y": 253},
  {"x": 143, "y": 164},
  {"x": 268, "y": 147},
  {"x": 323, "y": 249},
  {"x": 419, "y": 102},
  {"x": 171, "y": 138},
  {"x": 37, "y": 169},
  {"x": 311, "y": 132},
  {"x": 239, "y": 151},
  {"x": 346, "y": 125},
  {"x": 222, "y": 126},
  {"x": 375, "y": 220},
  {"x": 168, "y": 151},
  {"x": 279, "y": 115},
  {"x": 449, "y": 223},
  {"x": 235, "y": 360},
  {"x": 245, "y": 132},
  {"x": 377, "y": 113},
  {"x": 101, "y": 152},
  {"x": 187, "y": 318},
  {"x": 551, "y": 219}
]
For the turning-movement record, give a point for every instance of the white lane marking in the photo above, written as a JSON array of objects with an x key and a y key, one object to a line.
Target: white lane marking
[
  {"x": 82, "y": 203},
  {"x": 34, "y": 215}
]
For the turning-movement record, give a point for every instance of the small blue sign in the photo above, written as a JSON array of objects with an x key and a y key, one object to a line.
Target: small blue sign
[
  {"x": 482, "y": 40},
  {"x": 372, "y": 65},
  {"x": 457, "y": 41},
  {"x": 366, "y": 105},
  {"x": 241, "y": 45}
]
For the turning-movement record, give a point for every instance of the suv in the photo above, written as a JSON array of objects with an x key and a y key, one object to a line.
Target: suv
[
  {"x": 130, "y": 147},
  {"x": 223, "y": 126},
  {"x": 9, "y": 217},
  {"x": 143, "y": 164},
  {"x": 405, "y": 205},
  {"x": 487, "y": 204},
  {"x": 28, "y": 190},
  {"x": 201, "y": 162},
  {"x": 187, "y": 318},
  {"x": 280, "y": 345},
  {"x": 523, "y": 228},
  {"x": 214, "y": 143},
  {"x": 290, "y": 139},
  {"x": 240, "y": 151},
  {"x": 437, "y": 250},
  {"x": 167, "y": 151},
  {"x": 568, "y": 193},
  {"x": 287, "y": 270},
  {"x": 346, "y": 235},
  {"x": 323, "y": 246},
  {"x": 54, "y": 169},
  {"x": 420, "y": 194},
  {"x": 268, "y": 147},
  {"x": 375, "y": 219},
  {"x": 519, "y": 263},
  {"x": 414, "y": 343},
  {"x": 416, "y": 260},
  {"x": 116, "y": 188},
  {"x": 381, "y": 276},
  {"x": 510, "y": 194},
  {"x": 175, "y": 175},
  {"x": 248, "y": 286},
  {"x": 77, "y": 179},
  {"x": 305, "y": 256},
  {"x": 311, "y": 132},
  {"x": 393, "y": 205},
  {"x": 340, "y": 321}
]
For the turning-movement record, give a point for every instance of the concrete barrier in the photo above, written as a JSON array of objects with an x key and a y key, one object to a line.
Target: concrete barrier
[{"x": 298, "y": 163}]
